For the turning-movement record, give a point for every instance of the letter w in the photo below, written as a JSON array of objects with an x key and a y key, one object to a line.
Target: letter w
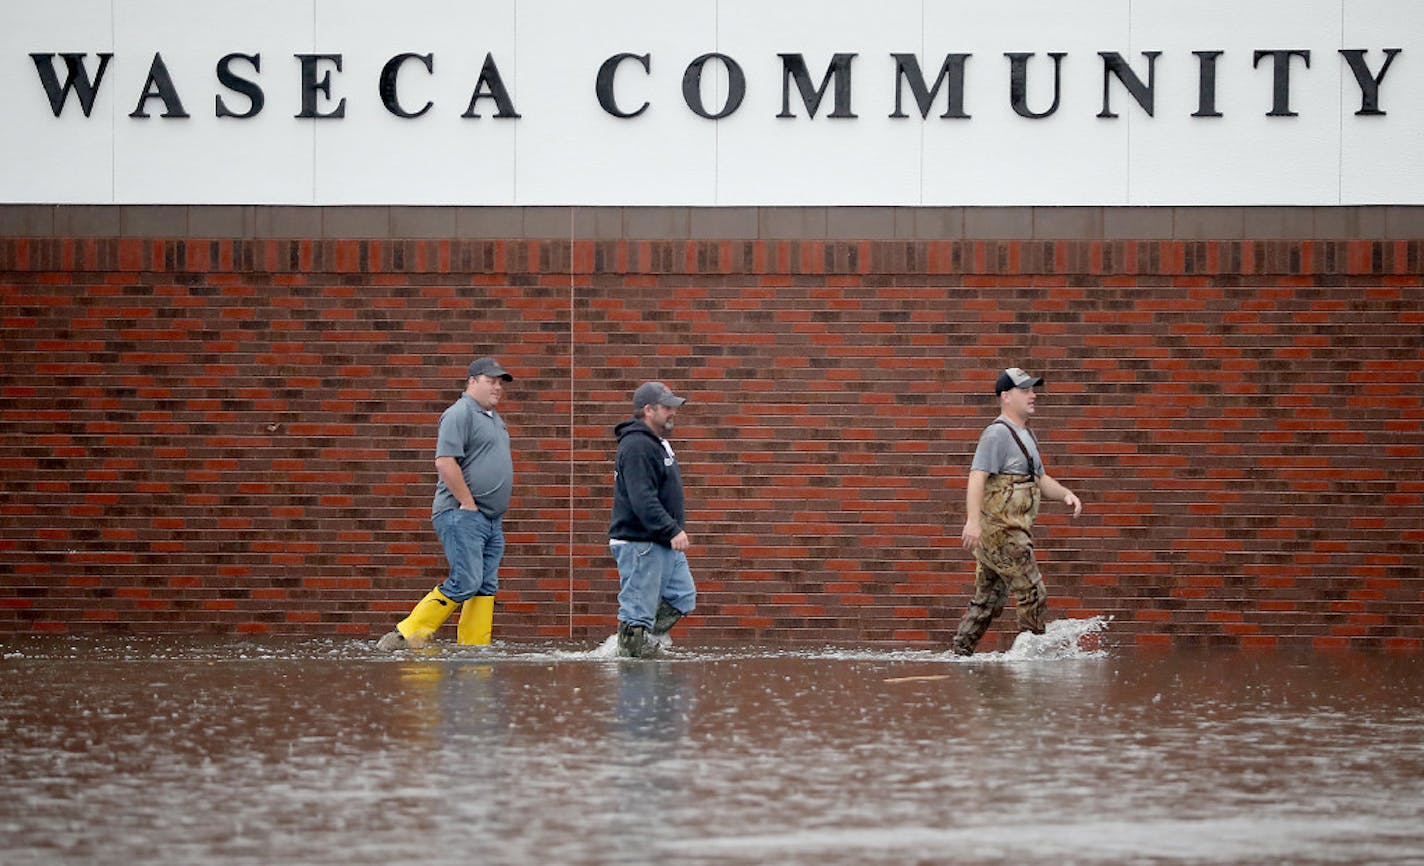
[{"x": 77, "y": 80}]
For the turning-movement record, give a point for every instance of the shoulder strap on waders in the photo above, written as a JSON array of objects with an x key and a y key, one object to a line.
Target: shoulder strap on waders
[{"x": 1028, "y": 458}]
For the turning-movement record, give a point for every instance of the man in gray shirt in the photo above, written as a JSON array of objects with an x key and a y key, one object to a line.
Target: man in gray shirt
[
  {"x": 1005, "y": 481},
  {"x": 475, "y": 472}
]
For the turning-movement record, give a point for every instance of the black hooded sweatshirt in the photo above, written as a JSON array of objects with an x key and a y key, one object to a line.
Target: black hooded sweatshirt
[{"x": 647, "y": 487}]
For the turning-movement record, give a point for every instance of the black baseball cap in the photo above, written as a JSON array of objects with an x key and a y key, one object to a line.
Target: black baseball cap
[{"x": 488, "y": 367}]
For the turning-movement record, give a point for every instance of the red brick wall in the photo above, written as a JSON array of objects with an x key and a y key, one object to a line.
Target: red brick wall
[{"x": 236, "y": 436}]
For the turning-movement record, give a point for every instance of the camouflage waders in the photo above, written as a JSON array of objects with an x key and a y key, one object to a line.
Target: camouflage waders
[{"x": 1005, "y": 561}]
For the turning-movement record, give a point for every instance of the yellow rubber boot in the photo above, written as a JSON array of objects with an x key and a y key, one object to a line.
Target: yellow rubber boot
[
  {"x": 426, "y": 618},
  {"x": 477, "y": 621}
]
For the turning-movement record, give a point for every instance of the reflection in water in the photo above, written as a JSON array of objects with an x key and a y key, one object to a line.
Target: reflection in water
[
  {"x": 185, "y": 752},
  {"x": 648, "y": 764},
  {"x": 457, "y": 728},
  {"x": 655, "y": 700}
]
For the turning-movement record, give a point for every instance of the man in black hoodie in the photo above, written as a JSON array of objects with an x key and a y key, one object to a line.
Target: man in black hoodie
[{"x": 646, "y": 534}]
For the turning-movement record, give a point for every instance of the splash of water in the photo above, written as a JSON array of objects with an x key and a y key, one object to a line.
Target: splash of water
[
  {"x": 606, "y": 650},
  {"x": 609, "y": 648},
  {"x": 1063, "y": 639}
]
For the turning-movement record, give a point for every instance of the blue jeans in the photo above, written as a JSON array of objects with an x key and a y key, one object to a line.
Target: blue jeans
[
  {"x": 650, "y": 573},
  {"x": 474, "y": 545}
]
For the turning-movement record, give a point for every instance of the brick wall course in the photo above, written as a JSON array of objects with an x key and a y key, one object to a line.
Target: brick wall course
[{"x": 233, "y": 435}]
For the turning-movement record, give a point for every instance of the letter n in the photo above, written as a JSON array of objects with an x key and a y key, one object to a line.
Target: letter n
[{"x": 1115, "y": 66}]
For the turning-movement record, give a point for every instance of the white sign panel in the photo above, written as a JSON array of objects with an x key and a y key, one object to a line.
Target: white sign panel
[{"x": 712, "y": 102}]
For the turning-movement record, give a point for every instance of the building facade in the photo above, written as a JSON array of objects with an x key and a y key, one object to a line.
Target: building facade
[{"x": 241, "y": 275}]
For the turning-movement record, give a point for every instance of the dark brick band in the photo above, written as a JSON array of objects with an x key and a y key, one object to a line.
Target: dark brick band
[{"x": 235, "y": 434}]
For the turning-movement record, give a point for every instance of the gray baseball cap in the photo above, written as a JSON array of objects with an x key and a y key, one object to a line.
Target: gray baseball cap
[
  {"x": 1015, "y": 378},
  {"x": 488, "y": 367},
  {"x": 649, "y": 393}
]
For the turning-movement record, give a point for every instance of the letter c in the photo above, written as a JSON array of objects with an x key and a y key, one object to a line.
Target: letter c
[
  {"x": 604, "y": 85},
  {"x": 388, "y": 83}
]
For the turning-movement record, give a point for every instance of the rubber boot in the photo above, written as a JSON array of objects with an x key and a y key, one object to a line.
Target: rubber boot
[
  {"x": 426, "y": 618},
  {"x": 476, "y": 621},
  {"x": 666, "y": 617},
  {"x": 632, "y": 641}
]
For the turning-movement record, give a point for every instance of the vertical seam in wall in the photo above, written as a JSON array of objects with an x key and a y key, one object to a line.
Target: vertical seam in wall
[
  {"x": 1131, "y": 49},
  {"x": 716, "y": 124},
  {"x": 312, "y": 124},
  {"x": 571, "y": 422},
  {"x": 114, "y": 119},
  {"x": 1340, "y": 121},
  {"x": 514, "y": 149}
]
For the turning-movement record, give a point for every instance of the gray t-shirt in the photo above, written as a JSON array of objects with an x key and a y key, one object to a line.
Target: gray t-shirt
[
  {"x": 479, "y": 440},
  {"x": 999, "y": 454}
]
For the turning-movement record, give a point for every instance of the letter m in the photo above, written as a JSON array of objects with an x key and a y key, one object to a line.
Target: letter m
[
  {"x": 793, "y": 67},
  {"x": 76, "y": 80},
  {"x": 907, "y": 69}
]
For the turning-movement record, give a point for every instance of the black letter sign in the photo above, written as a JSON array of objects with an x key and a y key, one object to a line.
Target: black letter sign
[
  {"x": 311, "y": 86},
  {"x": 907, "y": 68},
  {"x": 1206, "y": 84},
  {"x": 388, "y": 83},
  {"x": 1018, "y": 83},
  {"x": 793, "y": 66},
  {"x": 491, "y": 86},
  {"x": 1369, "y": 84},
  {"x": 1114, "y": 65},
  {"x": 232, "y": 82},
  {"x": 1280, "y": 79},
  {"x": 158, "y": 77},
  {"x": 77, "y": 80},
  {"x": 692, "y": 86},
  {"x": 603, "y": 85}
]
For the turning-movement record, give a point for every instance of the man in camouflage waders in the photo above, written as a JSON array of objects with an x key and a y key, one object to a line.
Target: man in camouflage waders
[{"x": 1005, "y": 482}]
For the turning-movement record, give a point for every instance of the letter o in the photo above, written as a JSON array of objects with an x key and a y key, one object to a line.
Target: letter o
[{"x": 692, "y": 86}]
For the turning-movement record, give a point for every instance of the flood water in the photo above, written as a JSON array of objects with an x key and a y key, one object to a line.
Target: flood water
[{"x": 192, "y": 752}]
